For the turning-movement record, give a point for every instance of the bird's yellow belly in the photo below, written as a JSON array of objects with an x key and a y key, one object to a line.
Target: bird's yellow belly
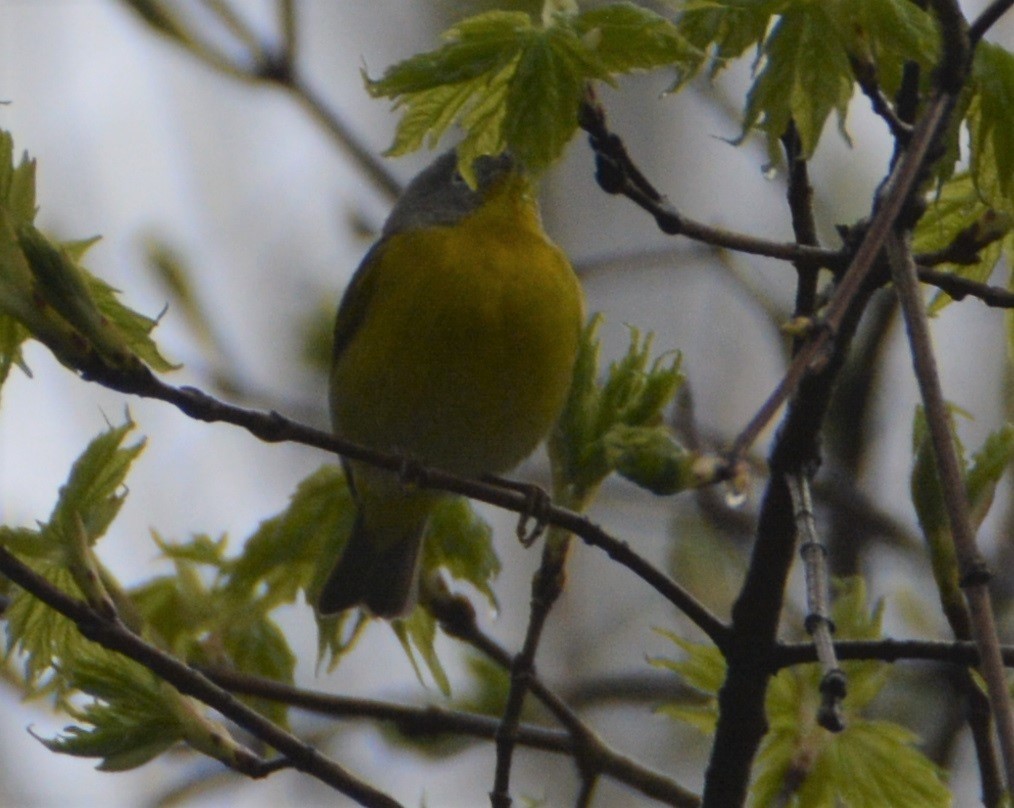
[{"x": 465, "y": 358}]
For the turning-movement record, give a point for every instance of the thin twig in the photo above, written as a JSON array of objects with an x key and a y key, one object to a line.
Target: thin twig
[
  {"x": 115, "y": 636},
  {"x": 865, "y": 73},
  {"x": 286, "y": 11},
  {"x": 547, "y": 584},
  {"x": 414, "y": 722},
  {"x": 277, "y": 65},
  {"x": 959, "y": 652},
  {"x": 273, "y": 427},
  {"x": 972, "y": 568},
  {"x": 366, "y": 158},
  {"x": 617, "y": 174},
  {"x": 238, "y": 27},
  {"x": 959, "y": 288},
  {"x": 457, "y": 619},
  {"x": 819, "y": 624},
  {"x": 990, "y": 14},
  {"x": 899, "y": 187}
]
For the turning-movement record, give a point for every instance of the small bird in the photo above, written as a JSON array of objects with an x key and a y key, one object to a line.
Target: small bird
[{"x": 454, "y": 346}]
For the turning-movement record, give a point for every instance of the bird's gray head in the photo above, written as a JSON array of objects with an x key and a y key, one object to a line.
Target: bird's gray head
[{"x": 439, "y": 194}]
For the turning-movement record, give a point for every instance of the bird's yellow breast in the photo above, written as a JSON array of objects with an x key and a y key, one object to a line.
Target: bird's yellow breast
[{"x": 463, "y": 351}]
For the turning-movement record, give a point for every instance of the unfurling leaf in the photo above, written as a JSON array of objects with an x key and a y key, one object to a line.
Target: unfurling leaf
[
  {"x": 616, "y": 424},
  {"x": 515, "y": 84},
  {"x": 46, "y": 294}
]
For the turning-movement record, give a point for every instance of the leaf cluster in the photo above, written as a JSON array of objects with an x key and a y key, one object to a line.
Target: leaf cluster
[
  {"x": 807, "y": 55},
  {"x": 515, "y": 83},
  {"x": 870, "y": 762},
  {"x": 976, "y": 206},
  {"x": 616, "y": 424},
  {"x": 130, "y": 715},
  {"x": 46, "y": 294},
  {"x": 512, "y": 82}
]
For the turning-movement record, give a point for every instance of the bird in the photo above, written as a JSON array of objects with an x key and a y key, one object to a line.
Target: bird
[{"x": 454, "y": 347}]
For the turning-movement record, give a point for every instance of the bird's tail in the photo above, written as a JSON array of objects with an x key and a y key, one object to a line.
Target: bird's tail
[{"x": 375, "y": 572}]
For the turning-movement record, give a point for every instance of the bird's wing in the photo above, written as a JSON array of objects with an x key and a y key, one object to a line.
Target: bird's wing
[{"x": 356, "y": 302}]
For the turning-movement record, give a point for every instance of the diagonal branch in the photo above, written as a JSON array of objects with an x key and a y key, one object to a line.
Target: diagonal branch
[
  {"x": 457, "y": 618},
  {"x": 900, "y": 185},
  {"x": 547, "y": 584},
  {"x": 990, "y": 15},
  {"x": 272, "y": 427},
  {"x": 959, "y": 288},
  {"x": 972, "y": 568},
  {"x": 110, "y": 633},
  {"x": 616, "y": 173}
]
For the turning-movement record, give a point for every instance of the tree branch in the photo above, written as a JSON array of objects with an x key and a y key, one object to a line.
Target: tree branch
[
  {"x": 899, "y": 186},
  {"x": 990, "y": 14},
  {"x": 457, "y": 619},
  {"x": 959, "y": 288},
  {"x": 413, "y": 722},
  {"x": 272, "y": 427},
  {"x": 616, "y": 173},
  {"x": 546, "y": 587},
  {"x": 972, "y": 568},
  {"x": 112, "y": 634},
  {"x": 965, "y": 653}
]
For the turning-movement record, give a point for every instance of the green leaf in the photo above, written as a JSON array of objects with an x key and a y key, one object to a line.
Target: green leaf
[
  {"x": 927, "y": 497},
  {"x": 90, "y": 499},
  {"x": 135, "y": 716},
  {"x": 617, "y": 422},
  {"x": 61, "y": 284},
  {"x": 200, "y": 549},
  {"x": 987, "y": 467},
  {"x": 88, "y": 304},
  {"x": 800, "y": 763},
  {"x": 134, "y": 327},
  {"x": 626, "y": 37},
  {"x": 804, "y": 51},
  {"x": 721, "y": 31},
  {"x": 95, "y": 491},
  {"x": 17, "y": 183},
  {"x": 489, "y": 686},
  {"x": 650, "y": 458},
  {"x": 886, "y": 34},
  {"x": 806, "y": 75},
  {"x": 12, "y": 337},
  {"x": 703, "y": 669},
  {"x": 703, "y": 666},
  {"x": 461, "y": 542},
  {"x": 130, "y": 722},
  {"x": 39, "y": 634},
  {"x": 981, "y": 477},
  {"x": 513, "y": 84},
  {"x": 868, "y": 763},
  {"x": 258, "y": 646},
  {"x": 53, "y": 298},
  {"x": 213, "y": 624},
  {"x": 991, "y": 124},
  {"x": 295, "y": 549},
  {"x": 177, "y": 609},
  {"x": 20, "y": 302},
  {"x": 543, "y": 96},
  {"x": 418, "y": 632},
  {"x": 959, "y": 211}
]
